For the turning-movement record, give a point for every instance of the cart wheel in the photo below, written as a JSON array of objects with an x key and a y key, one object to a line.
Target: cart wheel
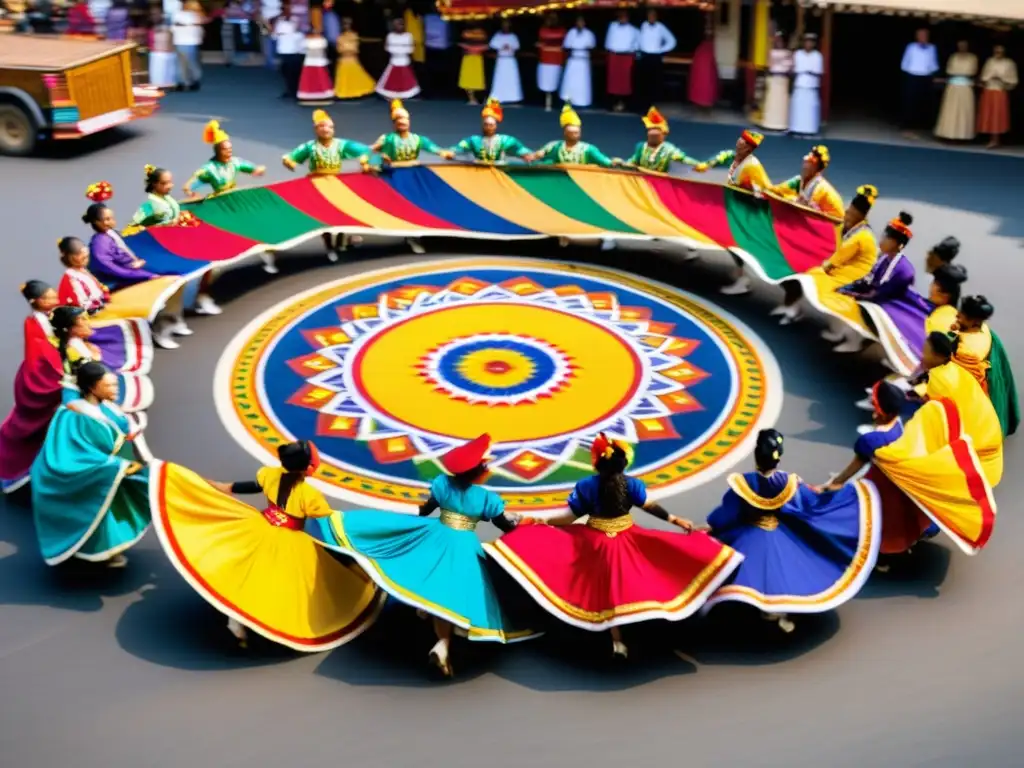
[{"x": 17, "y": 131}]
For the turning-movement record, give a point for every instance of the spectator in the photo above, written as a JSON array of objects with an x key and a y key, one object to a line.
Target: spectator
[
  {"x": 117, "y": 20},
  {"x": 80, "y": 20},
  {"x": 290, "y": 44},
  {"x": 655, "y": 43},
  {"x": 997, "y": 77},
  {"x": 920, "y": 63},
  {"x": 187, "y": 34}
]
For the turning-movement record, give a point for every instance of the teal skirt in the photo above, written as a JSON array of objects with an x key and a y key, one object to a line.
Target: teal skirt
[{"x": 425, "y": 564}]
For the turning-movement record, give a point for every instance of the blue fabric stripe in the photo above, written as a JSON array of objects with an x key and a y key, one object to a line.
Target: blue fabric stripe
[{"x": 158, "y": 259}]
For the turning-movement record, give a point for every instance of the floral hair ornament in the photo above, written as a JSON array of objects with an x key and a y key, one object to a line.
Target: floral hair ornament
[
  {"x": 868, "y": 192},
  {"x": 320, "y": 117},
  {"x": 397, "y": 110},
  {"x": 604, "y": 448},
  {"x": 187, "y": 219},
  {"x": 147, "y": 171},
  {"x": 99, "y": 192},
  {"x": 753, "y": 138},
  {"x": 820, "y": 155},
  {"x": 493, "y": 110},
  {"x": 654, "y": 119},
  {"x": 212, "y": 133}
]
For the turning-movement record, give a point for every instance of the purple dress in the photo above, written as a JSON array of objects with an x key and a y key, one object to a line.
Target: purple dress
[
  {"x": 117, "y": 23},
  {"x": 111, "y": 262}
]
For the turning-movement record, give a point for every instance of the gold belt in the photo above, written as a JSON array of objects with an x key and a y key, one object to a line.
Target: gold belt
[
  {"x": 457, "y": 521},
  {"x": 611, "y": 526},
  {"x": 767, "y": 522}
]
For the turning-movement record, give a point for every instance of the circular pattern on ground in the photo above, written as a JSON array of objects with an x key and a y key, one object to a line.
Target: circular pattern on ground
[{"x": 390, "y": 369}]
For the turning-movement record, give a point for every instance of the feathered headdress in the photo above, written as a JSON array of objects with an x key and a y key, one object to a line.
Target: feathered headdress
[
  {"x": 753, "y": 138},
  {"x": 493, "y": 109},
  {"x": 397, "y": 110},
  {"x": 99, "y": 192},
  {"x": 212, "y": 133},
  {"x": 820, "y": 155},
  {"x": 604, "y": 448},
  {"x": 569, "y": 117},
  {"x": 320, "y": 116},
  {"x": 654, "y": 119}
]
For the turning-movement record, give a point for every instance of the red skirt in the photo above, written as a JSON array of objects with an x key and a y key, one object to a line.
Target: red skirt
[
  {"x": 315, "y": 84},
  {"x": 903, "y": 522},
  {"x": 620, "y": 74},
  {"x": 994, "y": 112},
  {"x": 598, "y": 579},
  {"x": 398, "y": 83}
]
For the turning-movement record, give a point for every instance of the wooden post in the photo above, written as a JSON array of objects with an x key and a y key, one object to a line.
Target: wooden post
[
  {"x": 826, "y": 54},
  {"x": 798, "y": 33}
]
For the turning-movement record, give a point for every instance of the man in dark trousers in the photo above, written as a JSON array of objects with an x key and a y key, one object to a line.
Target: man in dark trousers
[
  {"x": 655, "y": 42},
  {"x": 920, "y": 63}
]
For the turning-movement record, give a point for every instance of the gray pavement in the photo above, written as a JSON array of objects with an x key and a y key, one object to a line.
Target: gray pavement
[{"x": 133, "y": 669}]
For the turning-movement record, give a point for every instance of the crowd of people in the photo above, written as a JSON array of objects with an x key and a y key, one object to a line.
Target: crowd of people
[{"x": 927, "y": 464}]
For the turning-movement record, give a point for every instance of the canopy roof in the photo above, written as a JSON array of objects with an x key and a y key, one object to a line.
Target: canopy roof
[
  {"x": 482, "y": 9},
  {"x": 968, "y": 9}
]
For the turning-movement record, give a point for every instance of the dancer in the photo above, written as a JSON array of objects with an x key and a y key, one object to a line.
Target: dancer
[
  {"x": 258, "y": 567},
  {"x": 490, "y": 146},
  {"x": 942, "y": 253},
  {"x": 221, "y": 171},
  {"x": 576, "y": 87},
  {"x": 89, "y": 495},
  {"x": 351, "y": 81},
  {"x": 621, "y": 43},
  {"x": 570, "y": 150},
  {"x": 657, "y": 154},
  {"x": 775, "y": 111},
  {"x": 810, "y": 187},
  {"x": 956, "y": 114},
  {"x": 399, "y": 79},
  {"x": 471, "y": 70},
  {"x": 315, "y": 86},
  {"x": 506, "y": 85},
  {"x": 324, "y": 156},
  {"x": 610, "y": 572},
  {"x": 436, "y": 565},
  {"x": 805, "y": 106},
  {"x": 551, "y": 58},
  {"x": 745, "y": 172},
  {"x": 803, "y": 551},
  {"x": 977, "y": 349}
]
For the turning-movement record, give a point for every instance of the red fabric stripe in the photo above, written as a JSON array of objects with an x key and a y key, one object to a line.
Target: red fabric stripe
[
  {"x": 382, "y": 195},
  {"x": 217, "y": 245},
  {"x": 699, "y": 205},
  {"x": 975, "y": 482},
  {"x": 302, "y": 194},
  {"x": 137, "y": 341},
  {"x": 806, "y": 240}
]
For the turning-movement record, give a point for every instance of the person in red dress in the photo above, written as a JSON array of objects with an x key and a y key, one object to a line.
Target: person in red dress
[
  {"x": 621, "y": 44},
  {"x": 551, "y": 58},
  {"x": 610, "y": 572}
]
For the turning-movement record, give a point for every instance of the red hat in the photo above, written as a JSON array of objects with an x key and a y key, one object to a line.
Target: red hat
[{"x": 467, "y": 457}]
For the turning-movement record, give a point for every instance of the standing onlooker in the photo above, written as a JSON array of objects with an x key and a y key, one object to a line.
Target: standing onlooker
[
  {"x": 998, "y": 76},
  {"x": 775, "y": 112},
  {"x": 187, "y": 34},
  {"x": 80, "y": 20},
  {"x": 332, "y": 31},
  {"x": 290, "y": 44},
  {"x": 117, "y": 20},
  {"x": 655, "y": 42},
  {"x": 576, "y": 86},
  {"x": 269, "y": 10},
  {"x": 506, "y": 85},
  {"x": 621, "y": 44},
  {"x": 471, "y": 70},
  {"x": 550, "y": 58},
  {"x": 233, "y": 18},
  {"x": 439, "y": 64},
  {"x": 956, "y": 114},
  {"x": 702, "y": 88},
  {"x": 805, "y": 105},
  {"x": 399, "y": 79},
  {"x": 920, "y": 63}
]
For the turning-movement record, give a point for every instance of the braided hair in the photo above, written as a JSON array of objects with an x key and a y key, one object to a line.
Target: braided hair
[
  {"x": 63, "y": 320},
  {"x": 612, "y": 489}
]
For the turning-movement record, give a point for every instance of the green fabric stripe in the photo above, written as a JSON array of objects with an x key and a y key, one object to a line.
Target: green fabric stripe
[
  {"x": 753, "y": 231},
  {"x": 256, "y": 213},
  {"x": 556, "y": 190},
  {"x": 1002, "y": 389}
]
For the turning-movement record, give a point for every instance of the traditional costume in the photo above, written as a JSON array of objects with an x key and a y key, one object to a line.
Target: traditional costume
[
  {"x": 775, "y": 110},
  {"x": 578, "y": 153},
  {"x": 998, "y": 77},
  {"x": 956, "y": 115},
  {"x": 325, "y": 158},
  {"x": 315, "y": 86},
  {"x": 351, "y": 81},
  {"x": 805, "y": 105},
  {"x": 550, "y": 61},
  {"x": 702, "y": 84},
  {"x": 471, "y": 70},
  {"x": 399, "y": 79},
  {"x": 506, "y": 84},
  {"x": 621, "y": 43},
  {"x": 576, "y": 87},
  {"x": 405, "y": 146},
  {"x": 611, "y": 572},
  {"x": 815, "y": 193},
  {"x": 661, "y": 156},
  {"x": 495, "y": 148},
  {"x": 221, "y": 176},
  {"x": 256, "y": 566},
  {"x": 978, "y": 351}
]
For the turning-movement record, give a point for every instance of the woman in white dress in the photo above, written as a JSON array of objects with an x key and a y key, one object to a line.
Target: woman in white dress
[
  {"x": 399, "y": 79},
  {"x": 506, "y": 85},
  {"x": 805, "y": 105},
  {"x": 775, "y": 114},
  {"x": 956, "y": 115},
  {"x": 576, "y": 86}
]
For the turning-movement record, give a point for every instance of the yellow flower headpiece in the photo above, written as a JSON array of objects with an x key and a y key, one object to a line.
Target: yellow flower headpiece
[
  {"x": 604, "y": 448},
  {"x": 212, "y": 133},
  {"x": 820, "y": 155},
  {"x": 493, "y": 109},
  {"x": 869, "y": 192},
  {"x": 320, "y": 116},
  {"x": 99, "y": 192},
  {"x": 397, "y": 110},
  {"x": 654, "y": 119},
  {"x": 569, "y": 117}
]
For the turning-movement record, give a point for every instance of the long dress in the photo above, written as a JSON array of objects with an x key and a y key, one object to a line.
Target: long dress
[
  {"x": 956, "y": 115},
  {"x": 803, "y": 551},
  {"x": 351, "y": 81},
  {"x": 551, "y": 59},
  {"x": 775, "y": 112},
  {"x": 805, "y": 104},
  {"x": 471, "y": 69},
  {"x": 611, "y": 572},
  {"x": 85, "y": 503},
  {"x": 434, "y": 564},
  {"x": 315, "y": 86},
  {"x": 576, "y": 86},
  {"x": 399, "y": 79},
  {"x": 258, "y": 567},
  {"x": 982, "y": 354},
  {"x": 998, "y": 77},
  {"x": 703, "y": 86},
  {"x": 506, "y": 85},
  {"x": 852, "y": 261}
]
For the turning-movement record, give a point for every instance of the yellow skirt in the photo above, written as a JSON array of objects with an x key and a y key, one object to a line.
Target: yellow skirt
[
  {"x": 471, "y": 73},
  {"x": 143, "y": 301},
  {"x": 822, "y": 290},
  {"x": 276, "y": 581},
  {"x": 351, "y": 81}
]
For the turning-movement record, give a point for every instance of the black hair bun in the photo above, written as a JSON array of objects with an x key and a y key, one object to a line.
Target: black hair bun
[{"x": 906, "y": 218}]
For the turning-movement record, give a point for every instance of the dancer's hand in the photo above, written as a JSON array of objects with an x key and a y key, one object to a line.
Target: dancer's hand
[
  {"x": 701, "y": 167},
  {"x": 222, "y": 487},
  {"x": 288, "y": 163},
  {"x": 260, "y": 170},
  {"x": 190, "y": 194},
  {"x": 385, "y": 160},
  {"x": 447, "y": 154},
  {"x": 681, "y": 522},
  {"x": 134, "y": 468},
  {"x": 138, "y": 264}
]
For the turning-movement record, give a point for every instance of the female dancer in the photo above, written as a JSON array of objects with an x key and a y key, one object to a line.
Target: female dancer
[
  {"x": 609, "y": 572},
  {"x": 89, "y": 495},
  {"x": 804, "y": 551},
  {"x": 978, "y": 350},
  {"x": 942, "y": 253},
  {"x": 435, "y": 565},
  {"x": 160, "y": 208},
  {"x": 351, "y": 81},
  {"x": 258, "y": 567},
  {"x": 221, "y": 171},
  {"x": 490, "y": 146}
]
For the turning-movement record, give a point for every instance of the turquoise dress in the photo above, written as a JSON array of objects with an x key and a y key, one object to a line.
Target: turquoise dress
[
  {"x": 434, "y": 564},
  {"x": 84, "y": 503}
]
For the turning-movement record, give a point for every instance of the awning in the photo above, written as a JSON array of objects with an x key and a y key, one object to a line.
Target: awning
[
  {"x": 964, "y": 9},
  {"x": 482, "y": 9}
]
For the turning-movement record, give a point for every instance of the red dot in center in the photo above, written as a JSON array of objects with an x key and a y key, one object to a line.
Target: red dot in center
[{"x": 497, "y": 366}]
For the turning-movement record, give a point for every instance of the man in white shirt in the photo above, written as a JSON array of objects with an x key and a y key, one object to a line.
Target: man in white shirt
[
  {"x": 805, "y": 105},
  {"x": 655, "y": 42},
  {"x": 621, "y": 44},
  {"x": 290, "y": 45},
  {"x": 920, "y": 63},
  {"x": 187, "y": 36}
]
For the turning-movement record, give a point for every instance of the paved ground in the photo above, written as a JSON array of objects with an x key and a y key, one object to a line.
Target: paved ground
[{"x": 135, "y": 670}]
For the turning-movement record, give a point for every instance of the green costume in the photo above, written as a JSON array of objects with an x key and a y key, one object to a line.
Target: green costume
[
  {"x": 659, "y": 158},
  {"x": 491, "y": 149},
  {"x": 327, "y": 158},
  {"x": 220, "y": 176},
  {"x": 558, "y": 152},
  {"x": 157, "y": 210},
  {"x": 405, "y": 149},
  {"x": 1002, "y": 389}
]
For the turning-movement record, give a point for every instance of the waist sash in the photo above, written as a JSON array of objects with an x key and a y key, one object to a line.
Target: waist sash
[
  {"x": 278, "y": 518},
  {"x": 611, "y": 526},
  {"x": 457, "y": 521}
]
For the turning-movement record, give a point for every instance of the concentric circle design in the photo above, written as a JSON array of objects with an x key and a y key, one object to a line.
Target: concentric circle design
[{"x": 388, "y": 370}]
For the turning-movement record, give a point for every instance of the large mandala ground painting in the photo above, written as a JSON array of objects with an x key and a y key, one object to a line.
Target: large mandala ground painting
[{"x": 386, "y": 371}]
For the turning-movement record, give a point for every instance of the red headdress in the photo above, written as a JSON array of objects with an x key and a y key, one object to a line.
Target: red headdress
[
  {"x": 467, "y": 457},
  {"x": 493, "y": 109},
  {"x": 753, "y": 138},
  {"x": 99, "y": 192},
  {"x": 604, "y": 448}
]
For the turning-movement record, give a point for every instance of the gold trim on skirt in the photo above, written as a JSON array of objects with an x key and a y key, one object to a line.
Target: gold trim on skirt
[{"x": 611, "y": 526}]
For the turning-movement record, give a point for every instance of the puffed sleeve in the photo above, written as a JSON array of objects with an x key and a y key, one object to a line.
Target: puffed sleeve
[
  {"x": 576, "y": 503},
  {"x": 636, "y": 491}
]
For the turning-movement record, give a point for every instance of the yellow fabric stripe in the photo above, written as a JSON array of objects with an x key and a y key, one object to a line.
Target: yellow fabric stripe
[
  {"x": 344, "y": 199},
  {"x": 629, "y": 198},
  {"x": 138, "y": 301},
  {"x": 498, "y": 193}
]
